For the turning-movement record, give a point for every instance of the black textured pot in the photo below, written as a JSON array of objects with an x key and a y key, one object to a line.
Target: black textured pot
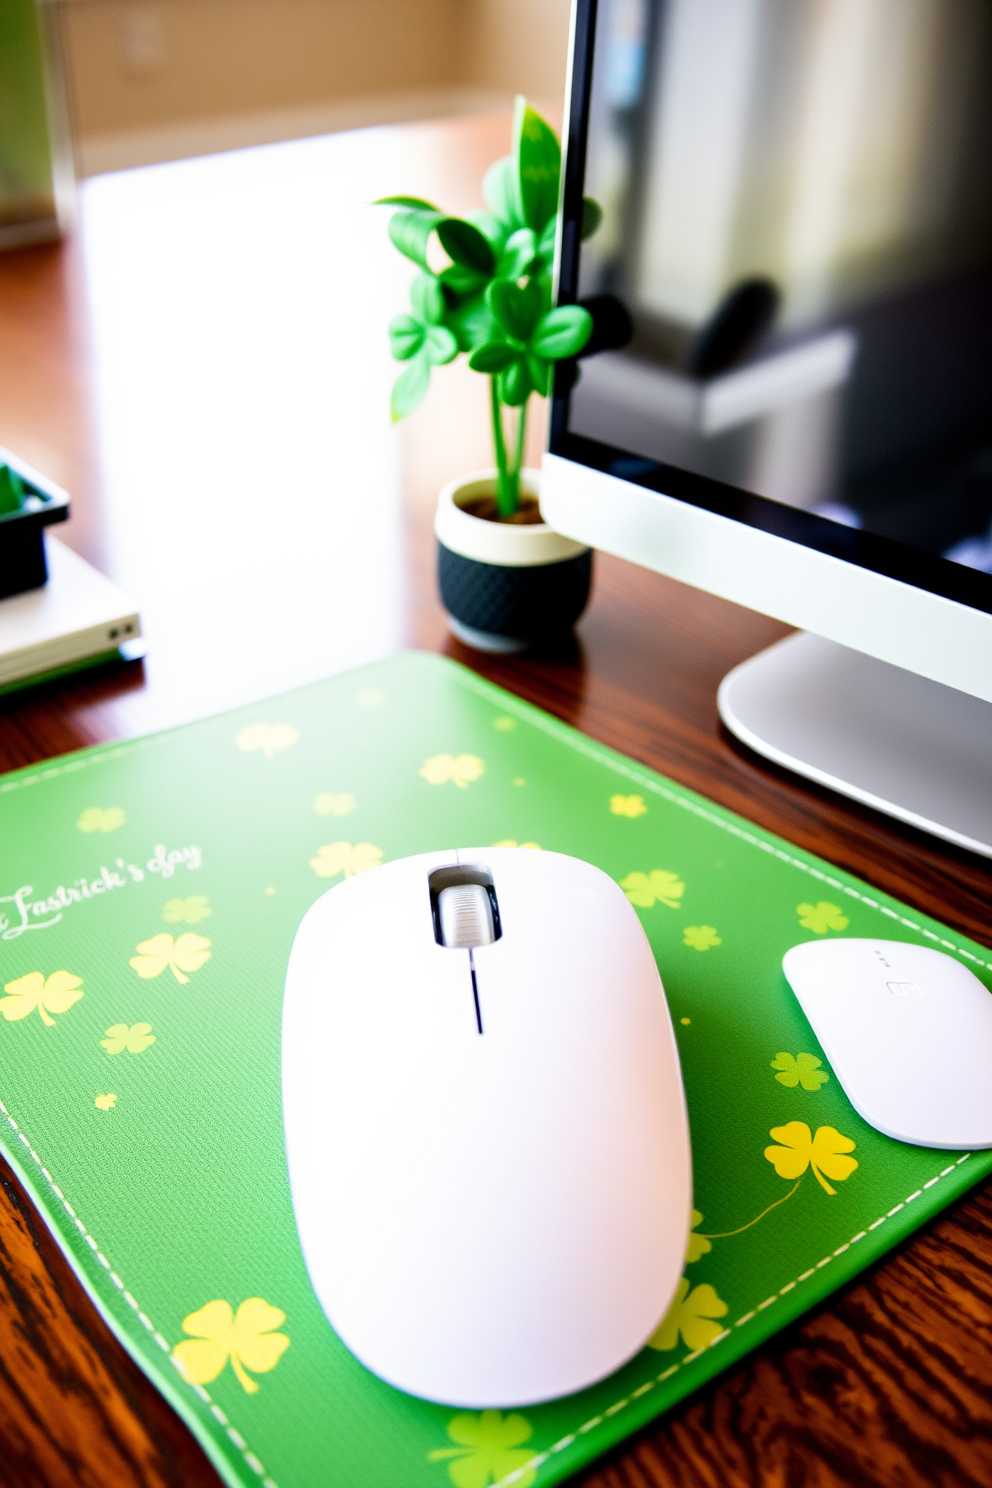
[{"x": 506, "y": 587}]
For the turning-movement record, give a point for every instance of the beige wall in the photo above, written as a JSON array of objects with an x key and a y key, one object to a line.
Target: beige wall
[
  {"x": 140, "y": 65},
  {"x": 516, "y": 46},
  {"x": 134, "y": 63}
]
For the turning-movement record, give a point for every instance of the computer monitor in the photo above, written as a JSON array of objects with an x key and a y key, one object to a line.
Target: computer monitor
[{"x": 791, "y": 278}]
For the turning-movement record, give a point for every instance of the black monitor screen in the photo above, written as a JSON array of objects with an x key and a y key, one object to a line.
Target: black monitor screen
[{"x": 791, "y": 271}]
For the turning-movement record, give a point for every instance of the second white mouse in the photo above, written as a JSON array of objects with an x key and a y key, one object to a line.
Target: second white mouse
[
  {"x": 908, "y": 1033},
  {"x": 485, "y": 1124}
]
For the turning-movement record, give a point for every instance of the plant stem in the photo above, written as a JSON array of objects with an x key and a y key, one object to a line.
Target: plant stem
[
  {"x": 519, "y": 454},
  {"x": 504, "y": 492}
]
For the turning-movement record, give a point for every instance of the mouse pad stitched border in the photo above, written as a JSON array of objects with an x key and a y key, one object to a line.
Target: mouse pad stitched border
[{"x": 149, "y": 895}]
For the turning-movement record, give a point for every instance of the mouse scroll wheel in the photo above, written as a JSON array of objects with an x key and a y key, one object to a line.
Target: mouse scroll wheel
[{"x": 466, "y": 916}]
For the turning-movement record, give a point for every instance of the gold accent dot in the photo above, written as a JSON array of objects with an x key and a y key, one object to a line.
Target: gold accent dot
[{"x": 685, "y": 1021}]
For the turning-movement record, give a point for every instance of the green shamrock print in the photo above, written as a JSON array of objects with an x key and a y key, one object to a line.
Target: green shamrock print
[
  {"x": 189, "y": 911},
  {"x": 135, "y": 1039},
  {"x": 821, "y": 917},
  {"x": 694, "y": 1314},
  {"x": 101, "y": 819},
  {"x": 700, "y": 937},
  {"x": 799, "y": 1069},
  {"x": 698, "y": 1244},
  {"x": 660, "y": 886},
  {"x": 489, "y": 1448}
]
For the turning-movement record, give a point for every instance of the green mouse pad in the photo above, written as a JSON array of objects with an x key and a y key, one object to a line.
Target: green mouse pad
[{"x": 149, "y": 895}]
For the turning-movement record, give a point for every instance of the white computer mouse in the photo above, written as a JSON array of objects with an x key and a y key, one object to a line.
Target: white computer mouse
[
  {"x": 485, "y": 1124},
  {"x": 908, "y": 1033}
]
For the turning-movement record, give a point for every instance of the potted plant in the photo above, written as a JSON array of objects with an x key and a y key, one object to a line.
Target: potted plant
[
  {"x": 484, "y": 288},
  {"x": 28, "y": 503}
]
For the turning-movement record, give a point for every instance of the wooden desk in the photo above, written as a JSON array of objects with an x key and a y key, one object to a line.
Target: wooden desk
[{"x": 204, "y": 367}]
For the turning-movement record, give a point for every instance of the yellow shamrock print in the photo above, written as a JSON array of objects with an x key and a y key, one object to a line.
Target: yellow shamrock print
[
  {"x": 249, "y": 1340},
  {"x": 334, "y": 803},
  {"x": 101, "y": 819},
  {"x": 825, "y": 1153},
  {"x": 189, "y": 911},
  {"x": 799, "y": 1069},
  {"x": 693, "y": 1315},
  {"x": 105, "y": 1102},
  {"x": 821, "y": 917},
  {"x": 509, "y": 842},
  {"x": 341, "y": 857},
  {"x": 56, "y": 995},
  {"x": 700, "y": 937},
  {"x": 627, "y": 805},
  {"x": 460, "y": 769},
  {"x": 188, "y": 953},
  {"x": 504, "y": 723},
  {"x": 135, "y": 1039},
  {"x": 657, "y": 887},
  {"x": 270, "y": 738},
  {"x": 489, "y": 1449},
  {"x": 698, "y": 1244}
]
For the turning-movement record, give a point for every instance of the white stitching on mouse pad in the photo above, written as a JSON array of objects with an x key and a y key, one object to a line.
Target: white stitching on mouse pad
[
  {"x": 586, "y": 746},
  {"x": 583, "y": 746},
  {"x": 534, "y": 1462},
  {"x": 566, "y": 1441},
  {"x": 574, "y": 741},
  {"x": 234, "y": 1435}
]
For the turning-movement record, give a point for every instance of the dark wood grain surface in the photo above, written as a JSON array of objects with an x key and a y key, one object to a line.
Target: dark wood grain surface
[{"x": 890, "y": 1384}]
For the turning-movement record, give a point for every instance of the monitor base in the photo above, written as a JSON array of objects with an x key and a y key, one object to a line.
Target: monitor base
[{"x": 909, "y": 747}]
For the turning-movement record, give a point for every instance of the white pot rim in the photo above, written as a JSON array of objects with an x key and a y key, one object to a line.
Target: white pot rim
[{"x": 503, "y": 544}]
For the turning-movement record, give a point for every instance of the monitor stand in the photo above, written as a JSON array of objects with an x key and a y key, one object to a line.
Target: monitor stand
[{"x": 913, "y": 748}]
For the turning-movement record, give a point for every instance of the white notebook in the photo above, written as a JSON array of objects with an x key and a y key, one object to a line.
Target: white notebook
[{"x": 77, "y": 616}]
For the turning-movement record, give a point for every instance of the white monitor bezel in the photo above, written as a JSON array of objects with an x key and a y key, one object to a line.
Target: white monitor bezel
[{"x": 871, "y": 612}]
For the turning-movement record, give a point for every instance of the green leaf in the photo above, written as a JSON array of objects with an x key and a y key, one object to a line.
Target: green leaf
[
  {"x": 11, "y": 491},
  {"x": 561, "y": 333},
  {"x": 544, "y": 280},
  {"x": 406, "y": 337},
  {"x": 538, "y": 158},
  {"x": 490, "y": 227},
  {"x": 499, "y": 187},
  {"x": 427, "y": 299},
  {"x": 517, "y": 257},
  {"x": 472, "y": 322},
  {"x": 410, "y": 387},
  {"x": 440, "y": 345},
  {"x": 515, "y": 310},
  {"x": 546, "y": 242},
  {"x": 494, "y": 356},
  {"x": 543, "y": 289},
  {"x": 540, "y": 375},
  {"x": 592, "y": 216},
  {"x": 417, "y": 204},
  {"x": 466, "y": 245},
  {"x": 462, "y": 281},
  {"x": 513, "y": 386},
  {"x": 409, "y": 232}
]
